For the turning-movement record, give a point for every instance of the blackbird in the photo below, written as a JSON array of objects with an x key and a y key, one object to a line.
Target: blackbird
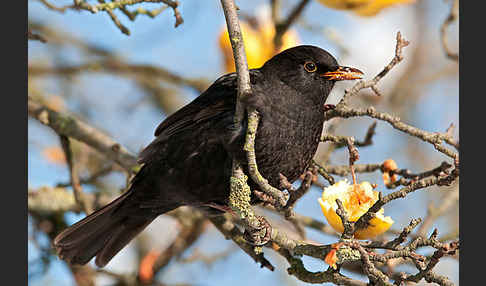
[{"x": 189, "y": 161}]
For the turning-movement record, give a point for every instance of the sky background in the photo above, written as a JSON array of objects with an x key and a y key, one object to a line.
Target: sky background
[{"x": 192, "y": 51}]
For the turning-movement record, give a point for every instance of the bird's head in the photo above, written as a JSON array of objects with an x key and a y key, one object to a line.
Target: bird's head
[{"x": 310, "y": 70}]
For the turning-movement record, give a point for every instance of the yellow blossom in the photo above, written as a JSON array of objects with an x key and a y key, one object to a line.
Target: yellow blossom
[{"x": 363, "y": 7}]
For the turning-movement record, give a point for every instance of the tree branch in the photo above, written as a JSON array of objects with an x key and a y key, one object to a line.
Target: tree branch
[
  {"x": 123, "y": 68},
  {"x": 69, "y": 126},
  {"x": 74, "y": 177},
  {"x": 281, "y": 27},
  {"x": 452, "y": 17},
  {"x": 121, "y": 4},
  {"x": 401, "y": 43}
]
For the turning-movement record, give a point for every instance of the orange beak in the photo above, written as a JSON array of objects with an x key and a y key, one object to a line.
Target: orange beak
[{"x": 343, "y": 73}]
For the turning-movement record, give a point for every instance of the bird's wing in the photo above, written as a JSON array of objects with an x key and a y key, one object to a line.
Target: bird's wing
[
  {"x": 216, "y": 104},
  {"x": 217, "y": 99}
]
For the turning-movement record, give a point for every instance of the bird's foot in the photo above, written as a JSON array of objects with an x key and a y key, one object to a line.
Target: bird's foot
[{"x": 261, "y": 235}]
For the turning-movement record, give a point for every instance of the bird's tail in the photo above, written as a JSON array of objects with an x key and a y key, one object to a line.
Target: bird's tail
[{"x": 103, "y": 233}]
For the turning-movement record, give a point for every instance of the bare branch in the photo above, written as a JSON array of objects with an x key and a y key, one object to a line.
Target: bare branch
[
  {"x": 298, "y": 270},
  {"x": 281, "y": 27},
  {"x": 401, "y": 43},
  {"x": 402, "y": 193},
  {"x": 433, "y": 138},
  {"x": 121, "y": 4},
  {"x": 344, "y": 170},
  {"x": 55, "y": 8},
  {"x": 230, "y": 231},
  {"x": 240, "y": 193},
  {"x": 190, "y": 233},
  {"x": 93, "y": 177},
  {"x": 239, "y": 190},
  {"x": 452, "y": 17},
  {"x": 249, "y": 147},
  {"x": 343, "y": 215},
  {"x": 69, "y": 126},
  {"x": 295, "y": 195},
  {"x": 123, "y": 68},
  {"x": 36, "y": 37},
  {"x": 435, "y": 212},
  {"x": 73, "y": 172},
  {"x": 341, "y": 141}
]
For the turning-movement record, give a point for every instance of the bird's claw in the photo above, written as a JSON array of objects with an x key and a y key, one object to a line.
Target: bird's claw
[{"x": 259, "y": 236}]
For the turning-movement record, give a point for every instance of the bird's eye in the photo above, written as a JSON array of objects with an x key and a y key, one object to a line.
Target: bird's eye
[{"x": 310, "y": 67}]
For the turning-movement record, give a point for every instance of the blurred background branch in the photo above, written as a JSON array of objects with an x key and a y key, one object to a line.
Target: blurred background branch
[
  {"x": 122, "y": 5},
  {"x": 452, "y": 17}
]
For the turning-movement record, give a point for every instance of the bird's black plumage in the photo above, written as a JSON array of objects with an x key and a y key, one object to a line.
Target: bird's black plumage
[{"x": 189, "y": 162}]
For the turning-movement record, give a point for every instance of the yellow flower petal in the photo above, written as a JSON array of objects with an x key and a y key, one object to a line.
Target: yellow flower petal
[
  {"x": 363, "y": 7},
  {"x": 344, "y": 4},
  {"x": 356, "y": 199},
  {"x": 255, "y": 52},
  {"x": 376, "y": 6}
]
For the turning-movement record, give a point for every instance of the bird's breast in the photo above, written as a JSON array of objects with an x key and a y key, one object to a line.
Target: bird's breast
[{"x": 287, "y": 141}]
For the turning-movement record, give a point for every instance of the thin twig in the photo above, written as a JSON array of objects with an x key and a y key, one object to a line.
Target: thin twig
[
  {"x": 420, "y": 184},
  {"x": 341, "y": 141},
  {"x": 74, "y": 177},
  {"x": 401, "y": 43},
  {"x": 69, "y": 126},
  {"x": 230, "y": 231},
  {"x": 348, "y": 225},
  {"x": 55, "y": 8},
  {"x": 92, "y": 178},
  {"x": 121, "y": 4},
  {"x": 324, "y": 173},
  {"x": 434, "y": 213},
  {"x": 123, "y": 68},
  {"x": 434, "y": 138},
  {"x": 344, "y": 170},
  {"x": 395, "y": 243},
  {"x": 452, "y": 17},
  {"x": 36, "y": 37},
  {"x": 256, "y": 176},
  {"x": 440, "y": 171},
  {"x": 189, "y": 234},
  {"x": 281, "y": 27}
]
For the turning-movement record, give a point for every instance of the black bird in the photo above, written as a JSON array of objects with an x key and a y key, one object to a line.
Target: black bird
[{"x": 189, "y": 161}]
